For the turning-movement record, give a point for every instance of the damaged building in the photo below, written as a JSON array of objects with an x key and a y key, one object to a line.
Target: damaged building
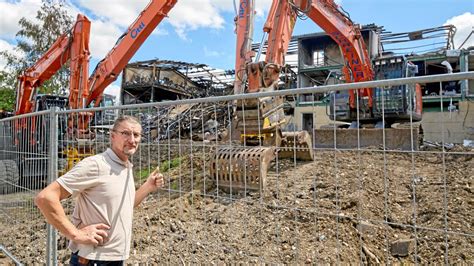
[
  {"x": 316, "y": 60},
  {"x": 159, "y": 80},
  {"x": 165, "y": 80}
]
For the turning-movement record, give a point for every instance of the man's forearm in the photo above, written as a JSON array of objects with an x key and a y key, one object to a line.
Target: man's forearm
[
  {"x": 141, "y": 193},
  {"x": 55, "y": 215}
]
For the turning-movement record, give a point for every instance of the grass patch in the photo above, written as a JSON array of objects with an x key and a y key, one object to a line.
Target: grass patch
[
  {"x": 143, "y": 173},
  {"x": 170, "y": 164},
  {"x": 164, "y": 167}
]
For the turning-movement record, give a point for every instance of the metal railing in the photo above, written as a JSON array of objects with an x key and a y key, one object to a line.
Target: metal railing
[{"x": 357, "y": 204}]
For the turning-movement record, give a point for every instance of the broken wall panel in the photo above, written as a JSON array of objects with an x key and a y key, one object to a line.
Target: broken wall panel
[{"x": 159, "y": 80}]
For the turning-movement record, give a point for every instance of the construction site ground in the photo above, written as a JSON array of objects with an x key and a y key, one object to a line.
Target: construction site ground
[{"x": 345, "y": 206}]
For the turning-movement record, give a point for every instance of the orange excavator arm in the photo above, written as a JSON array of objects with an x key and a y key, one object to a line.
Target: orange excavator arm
[
  {"x": 279, "y": 28},
  {"x": 244, "y": 53},
  {"x": 326, "y": 14},
  {"x": 115, "y": 61},
  {"x": 358, "y": 66},
  {"x": 78, "y": 86},
  {"x": 70, "y": 46}
]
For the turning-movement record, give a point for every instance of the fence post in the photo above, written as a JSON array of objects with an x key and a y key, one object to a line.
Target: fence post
[{"x": 51, "y": 244}]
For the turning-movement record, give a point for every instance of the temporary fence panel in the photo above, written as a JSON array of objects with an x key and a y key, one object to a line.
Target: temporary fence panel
[{"x": 263, "y": 200}]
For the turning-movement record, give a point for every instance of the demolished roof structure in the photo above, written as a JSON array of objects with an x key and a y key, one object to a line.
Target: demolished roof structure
[
  {"x": 158, "y": 80},
  {"x": 314, "y": 57}
]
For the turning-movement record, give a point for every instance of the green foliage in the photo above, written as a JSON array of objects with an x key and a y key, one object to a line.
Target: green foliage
[
  {"x": 164, "y": 167},
  {"x": 7, "y": 92},
  {"x": 174, "y": 185},
  {"x": 143, "y": 174},
  {"x": 7, "y": 100},
  {"x": 5, "y": 80},
  {"x": 167, "y": 165},
  {"x": 35, "y": 38}
]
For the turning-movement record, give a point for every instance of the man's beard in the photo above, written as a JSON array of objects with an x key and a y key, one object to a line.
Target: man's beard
[{"x": 129, "y": 151}]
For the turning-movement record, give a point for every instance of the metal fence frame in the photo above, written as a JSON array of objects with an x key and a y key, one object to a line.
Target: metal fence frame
[{"x": 53, "y": 148}]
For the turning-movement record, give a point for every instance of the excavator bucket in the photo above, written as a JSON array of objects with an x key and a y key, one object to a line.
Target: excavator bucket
[
  {"x": 296, "y": 144},
  {"x": 242, "y": 168}
]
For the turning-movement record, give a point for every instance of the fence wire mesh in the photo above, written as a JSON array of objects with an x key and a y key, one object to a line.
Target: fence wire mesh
[{"x": 236, "y": 190}]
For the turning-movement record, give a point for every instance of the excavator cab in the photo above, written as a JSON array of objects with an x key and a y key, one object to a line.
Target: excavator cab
[{"x": 394, "y": 104}]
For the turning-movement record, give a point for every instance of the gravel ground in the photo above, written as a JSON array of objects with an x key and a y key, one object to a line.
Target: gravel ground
[{"x": 344, "y": 207}]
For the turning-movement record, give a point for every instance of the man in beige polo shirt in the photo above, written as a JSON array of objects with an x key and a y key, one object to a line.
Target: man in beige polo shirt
[{"x": 103, "y": 185}]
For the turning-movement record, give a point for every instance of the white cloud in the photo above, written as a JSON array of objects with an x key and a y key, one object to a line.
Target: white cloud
[
  {"x": 113, "y": 89},
  {"x": 185, "y": 16},
  {"x": 110, "y": 21},
  {"x": 193, "y": 14},
  {"x": 210, "y": 53},
  {"x": 464, "y": 26},
  {"x": 104, "y": 32},
  {"x": 121, "y": 13},
  {"x": 261, "y": 6},
  {"x": 13, "y": 12},
  {"x": 5, "y": 46},
  {"x": 103, "y": 38}
]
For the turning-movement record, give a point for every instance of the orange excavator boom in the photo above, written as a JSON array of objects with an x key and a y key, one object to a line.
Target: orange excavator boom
[
  {"x": 358, "y": 66},
  {"x": 115, "y": 61},
  {"x": 244, "y": 53},
  {"x": 69, "y": 46},
  {"x": 327, "y": 15}
]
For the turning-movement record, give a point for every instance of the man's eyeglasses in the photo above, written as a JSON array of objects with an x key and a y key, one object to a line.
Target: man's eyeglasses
[{"x": 128, "y": 134}]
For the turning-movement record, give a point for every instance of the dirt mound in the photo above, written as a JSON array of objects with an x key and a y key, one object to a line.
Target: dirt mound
[{"x": 349, "y": 207}]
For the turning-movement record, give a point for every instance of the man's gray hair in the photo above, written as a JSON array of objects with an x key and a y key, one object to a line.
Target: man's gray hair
[{"x": 124, "y": 118}]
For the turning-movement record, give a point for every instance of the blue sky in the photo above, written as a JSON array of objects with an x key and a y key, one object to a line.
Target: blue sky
[{"x": 202, "y": 31}]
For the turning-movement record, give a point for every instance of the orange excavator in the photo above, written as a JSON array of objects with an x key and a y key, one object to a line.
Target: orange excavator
[
  {"x": 109, "y": 69},
  {"x": 327, "y": 15},
  {"x": 73, "y": 47},
  {"x": 260, "y": 120},
  {"x": 70, "y": 47}
]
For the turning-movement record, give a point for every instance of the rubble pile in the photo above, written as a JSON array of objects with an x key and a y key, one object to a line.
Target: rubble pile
[{"x": 200, "y": 122}]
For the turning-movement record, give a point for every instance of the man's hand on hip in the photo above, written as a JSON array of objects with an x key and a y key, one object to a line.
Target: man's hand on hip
[{"x": 94, "y": 234}]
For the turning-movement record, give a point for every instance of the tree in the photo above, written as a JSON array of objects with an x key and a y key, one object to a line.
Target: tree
[
  {"x": 35, "y": 38},
  {"x": 7, "y": 92}
]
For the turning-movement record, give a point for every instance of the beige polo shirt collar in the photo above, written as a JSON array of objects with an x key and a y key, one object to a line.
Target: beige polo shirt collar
[{"x": 116, "y": 159}]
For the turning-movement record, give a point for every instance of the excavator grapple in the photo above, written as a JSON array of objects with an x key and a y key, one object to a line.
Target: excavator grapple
[
  {"x": 242, "y": 168},
  {"x": 258, "y": 121},
  {"x": 246, "y": 168}
]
